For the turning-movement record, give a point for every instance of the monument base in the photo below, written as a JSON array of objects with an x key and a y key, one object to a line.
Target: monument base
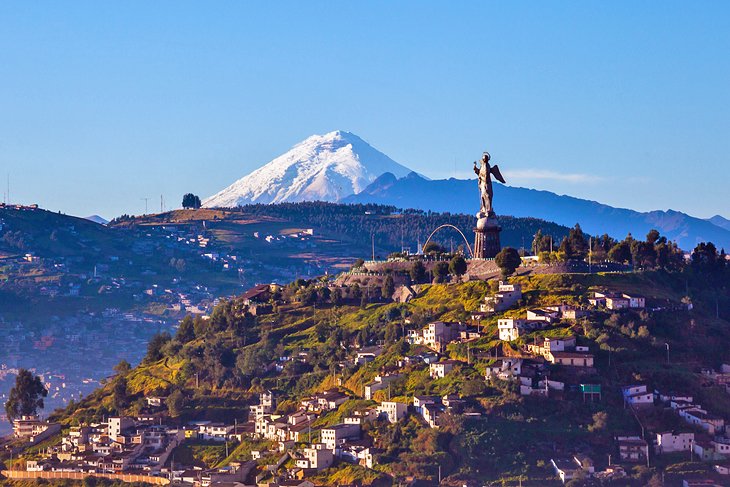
[{"x": 486, "y": 238}]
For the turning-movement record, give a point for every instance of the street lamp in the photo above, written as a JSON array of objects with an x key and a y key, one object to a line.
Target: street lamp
[{"x": 667, "y": 345}]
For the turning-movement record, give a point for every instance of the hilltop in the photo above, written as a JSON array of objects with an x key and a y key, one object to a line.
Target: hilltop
[
  {"x": 77, "y": 296},
  {"x": 315, "y": 337}
]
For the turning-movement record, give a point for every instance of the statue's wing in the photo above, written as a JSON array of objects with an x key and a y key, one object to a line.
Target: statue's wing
[{"x": 498, "y": 175}]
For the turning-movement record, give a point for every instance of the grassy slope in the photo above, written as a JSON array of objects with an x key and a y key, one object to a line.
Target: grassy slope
[{"x": 530, "y": 425}]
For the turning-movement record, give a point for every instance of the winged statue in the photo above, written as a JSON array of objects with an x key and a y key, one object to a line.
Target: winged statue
[{"x": 485, "y": 173}]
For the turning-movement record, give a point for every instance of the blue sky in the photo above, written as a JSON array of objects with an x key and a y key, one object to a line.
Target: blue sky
[{"x": 105, "y": 103}]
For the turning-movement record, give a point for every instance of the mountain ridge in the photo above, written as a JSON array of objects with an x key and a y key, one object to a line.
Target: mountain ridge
[
  {"x": 461, "y": 195},
  {"x": 720, "y": 221}
]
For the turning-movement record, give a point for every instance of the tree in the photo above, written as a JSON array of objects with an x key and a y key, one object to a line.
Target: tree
[
  {"x": 357, "y": 264},
  {"x": 653, "y": 236},
  {"x": 418, "y": 272},
  {"x": 643, "y": 254},
  {"x": 388, "y": 288},
  {"x": 440, "y": 271},
  {"x": 120, "y": 395},
  {"x": 391, "y": 333},
  {"x": 154, "y": 347},
  {"x": 473, "y": 387},
  {"x": 705, "y": 257},
  {"x": 175, "y": 403},
  {"x": 458, "y": 266},
  {"x": 600, "y": 421},
  {"x": 191, "y": 201},
  {"x": 123, "y": 367},
  {"x": 575, "y": 245},
  {"x": 433, "y": 248},
  {"x": 186, "y": 331},
  {"x": 26, "y": 396},
  {"x": 620, "y": 253},
  {"x": 508, "y": 260}
]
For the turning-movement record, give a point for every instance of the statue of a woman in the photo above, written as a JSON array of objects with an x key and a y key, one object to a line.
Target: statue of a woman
[{"x": 484, "y": 172}]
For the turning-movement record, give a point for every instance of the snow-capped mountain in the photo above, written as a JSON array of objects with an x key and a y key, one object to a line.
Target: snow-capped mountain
[
  {"x": 322, "y": 167},
  {"x": 97, "y": 219}
]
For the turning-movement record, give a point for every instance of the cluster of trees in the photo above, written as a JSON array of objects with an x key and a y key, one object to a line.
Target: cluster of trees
[
  {"x": 707, "y": 260},
  {"x": 655, "y": 252},
  {"x": 191, "y": 201},
  {"x": 440, "y": 271}
]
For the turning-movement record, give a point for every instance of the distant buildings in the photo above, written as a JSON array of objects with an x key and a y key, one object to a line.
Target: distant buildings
[
  {"x": 436, "y": 335},
  {"x": 617, "y": 301},
  {"x": 632, "y": 448},
  {"x": 637, "y": 396},
  {"x": 507, "y": 296}
]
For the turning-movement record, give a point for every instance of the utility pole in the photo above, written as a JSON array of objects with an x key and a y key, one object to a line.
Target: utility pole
[
  {"x": 667, "y": 345},
  {"x": 590, "y": 253},
  {"x": 372, "y": 238},
  {"x": 146, "y": 201},
  {"x": 162, "y": 204}
]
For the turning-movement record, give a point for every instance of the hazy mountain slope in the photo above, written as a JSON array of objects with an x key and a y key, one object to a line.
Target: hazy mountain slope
[
  {"x": 720, "y": 221},
  {"x": 462, "y": 196},
  {"x": 323, "y": 167}
]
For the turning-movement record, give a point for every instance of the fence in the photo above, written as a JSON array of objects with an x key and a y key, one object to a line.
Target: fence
[{"x": 25, "y": 475}]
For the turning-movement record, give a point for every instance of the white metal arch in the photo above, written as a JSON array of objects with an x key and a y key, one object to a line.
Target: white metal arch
[{"x": 471, "y": 253}]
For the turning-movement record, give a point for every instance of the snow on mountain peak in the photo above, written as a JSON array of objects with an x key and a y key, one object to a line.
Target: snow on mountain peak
[{"x": 325, "y": 167}]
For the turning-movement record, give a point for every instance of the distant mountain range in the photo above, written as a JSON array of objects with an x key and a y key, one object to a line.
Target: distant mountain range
[
  {"x": 342, "y": 167},
  {"x": 461, "y": 196}
]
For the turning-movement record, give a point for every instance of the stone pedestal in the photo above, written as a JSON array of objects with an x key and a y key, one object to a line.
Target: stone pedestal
[{"x": 486, "y": 237}]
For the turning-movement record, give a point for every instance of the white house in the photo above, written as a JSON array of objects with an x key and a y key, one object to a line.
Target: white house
[
  {"x": 547, "y": 315},
  {"x": 637, "y": 396},
  {"x": 511, "y": 328},
  {"x": 419, "y": 402},
  {"x": 317, "y": 456},
  {"x": 337, "y": 434},
  {"x": 380, "y": 382},
  {"x": 504, "y": 368},
  {"x": 214, "y": 431},
  {"x": 708, "y": 422},
  {"x": 632, "y": 448},
  {"x": 439, "y": 370},
  {"x": 431, "y": 413},
  {"x": 670, "y": 442},
  {"x": 394, "y": 411},
  {"x": 507, "y": 296},
  {"x": 543, "y": 346}
]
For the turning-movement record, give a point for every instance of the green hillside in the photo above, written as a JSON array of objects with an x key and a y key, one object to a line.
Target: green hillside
[{"x": 513, "y": 437}]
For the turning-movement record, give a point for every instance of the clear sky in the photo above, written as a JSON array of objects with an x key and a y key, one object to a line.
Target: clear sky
[{"x": 105, "y": 103}]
